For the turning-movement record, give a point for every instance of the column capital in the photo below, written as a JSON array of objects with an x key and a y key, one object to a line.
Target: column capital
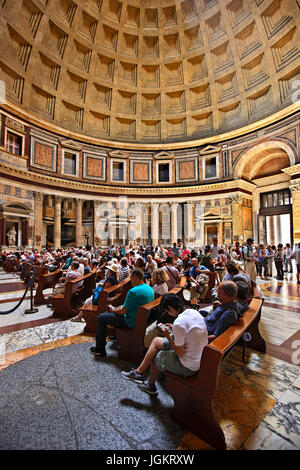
[
  {"x": 38, "y": 196},
  {"x": 57, "y": 198},
  {"x": 174, "y": 206},
  {"x": 78, "y": 201}
]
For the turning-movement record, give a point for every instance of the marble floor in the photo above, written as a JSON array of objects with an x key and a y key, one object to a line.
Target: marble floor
[{"x": 267, "y": 384}]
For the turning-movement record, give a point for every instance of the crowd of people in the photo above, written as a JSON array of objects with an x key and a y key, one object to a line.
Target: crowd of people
[{"x": 177, "y": 331}]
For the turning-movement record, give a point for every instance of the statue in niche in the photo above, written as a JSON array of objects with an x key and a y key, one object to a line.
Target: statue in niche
[{"x": 12, "y": 235}]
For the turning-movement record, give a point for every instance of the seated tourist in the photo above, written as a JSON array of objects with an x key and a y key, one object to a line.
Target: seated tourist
[
  {"x": 199, "y": 285},
  {"x": 243, "y": 299},
  {"x": 179, "y": 352},
  {"x": 86, "y": 267},
  {"x": 124, "y": 269},
  {"x": 159, "y": 279},
  {"x": 172, "y": 272},
  {"x": 123, "y": 316},
  {"x": 111, "y": 280},
  {"x": 151, "y": 264},
  {"x": 226, "y": 313},
  {"x": 72, "y": 274}
]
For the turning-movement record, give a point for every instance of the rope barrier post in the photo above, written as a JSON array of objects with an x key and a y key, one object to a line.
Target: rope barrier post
[{"x": 31, "y": 309}]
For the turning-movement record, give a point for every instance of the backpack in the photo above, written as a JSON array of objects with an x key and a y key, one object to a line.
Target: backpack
[{"x": 96, "y": 294}]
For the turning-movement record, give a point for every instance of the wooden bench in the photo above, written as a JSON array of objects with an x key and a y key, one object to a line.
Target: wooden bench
[
  {"x": 193, "y": 396},
  {"x": 91, "y": 312},
  {"x": 62, "y": 303},
  {"x": 132, "y": 341},
  {"x": 46, "y": 281},
  {"x": 88, "y": 287}
]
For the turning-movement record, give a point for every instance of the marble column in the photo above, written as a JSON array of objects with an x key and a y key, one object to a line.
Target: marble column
[
  {"x": 199, "y": 224},
  {"x": 190, "y": 223},
  {"x": 57, "y": 222},
  {"x": 174, "y": 223},
  {"x": 237, "y": 219},
  {"x": 295, "y": 189},
  {"x": 97, "y": 224},
  {"x": 78, "y": 239},
  {"x": 38, "y": 220},
  {"x": 137, "y": 237},
  {"x": 155, "y": 223}
]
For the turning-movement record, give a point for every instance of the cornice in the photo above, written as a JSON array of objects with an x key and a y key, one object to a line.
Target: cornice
[
  {"x": 21, "y": 114},
  {"x": 31, "y": 178},
  {"x": 292, "y": 170}
]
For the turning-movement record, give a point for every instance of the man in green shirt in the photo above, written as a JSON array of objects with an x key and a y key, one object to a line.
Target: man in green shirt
[{"x": 123, "y": 316}]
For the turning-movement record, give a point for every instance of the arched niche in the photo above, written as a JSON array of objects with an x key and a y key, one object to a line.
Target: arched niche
[{"x": 264, "y": 159}]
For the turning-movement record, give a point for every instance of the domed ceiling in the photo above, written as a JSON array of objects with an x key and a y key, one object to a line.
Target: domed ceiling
[{"x": 150, "y": 71}]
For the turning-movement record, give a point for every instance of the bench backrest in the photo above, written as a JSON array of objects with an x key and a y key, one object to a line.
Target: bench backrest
[
  {"x": 144, "y": 310},
  {"x": 49, "y": 279},
  {"x": 213, "y": 353},
  {"x": 122, "y": 288},
  {"x": 71, "y": 286}
]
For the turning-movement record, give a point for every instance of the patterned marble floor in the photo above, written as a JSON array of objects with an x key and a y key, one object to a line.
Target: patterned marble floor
[{"x": 271, "y": 379}]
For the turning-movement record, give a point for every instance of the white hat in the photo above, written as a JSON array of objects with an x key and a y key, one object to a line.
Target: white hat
[{"x": 114, "y": 267}]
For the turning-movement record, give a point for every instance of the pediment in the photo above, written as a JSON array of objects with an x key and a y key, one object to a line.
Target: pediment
[
  {"x": 209, "y": 149},
  {"x": 118, "y": 154},
  {"x": 163, "y": 156},
  {"x": 71, "y": 144},
  {"x": 15, "y": 207}
]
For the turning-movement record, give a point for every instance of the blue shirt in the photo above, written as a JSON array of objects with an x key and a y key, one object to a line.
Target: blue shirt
[
  {"x": 137, "y": 296},
  {"x": 193, "y": 271},
  {"x": 221, "y": 318}
]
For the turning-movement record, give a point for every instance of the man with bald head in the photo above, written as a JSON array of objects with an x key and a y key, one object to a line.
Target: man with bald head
[{"x": 224, "y": 315}]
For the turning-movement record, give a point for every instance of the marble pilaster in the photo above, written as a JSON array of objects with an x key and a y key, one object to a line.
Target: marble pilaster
[
  {"x": 57, "y": 222},
  {"x": 174, "y": 223},
  {"x": 38, "y": 217},
  {"x": 78, "y": 228},
  {"x": 155, "y": 223},
  {"x": 296, "y": 211}
]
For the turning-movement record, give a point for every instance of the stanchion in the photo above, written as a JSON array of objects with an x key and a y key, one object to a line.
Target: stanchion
[{"x": 31, "y": 309}]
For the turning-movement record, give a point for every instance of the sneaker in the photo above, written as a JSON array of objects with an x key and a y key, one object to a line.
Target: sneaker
[
  {"x": 98, "y": 352},
  {"x": 133, "y": 375},
  {"x": 150, "y": 389}
]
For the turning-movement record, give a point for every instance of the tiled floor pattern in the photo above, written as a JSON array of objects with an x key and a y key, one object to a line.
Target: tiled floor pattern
[{"x": 257, "y": 402}]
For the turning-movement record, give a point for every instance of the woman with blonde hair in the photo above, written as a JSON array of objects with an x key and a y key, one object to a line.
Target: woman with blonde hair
[{"x": 159, "y": 279}]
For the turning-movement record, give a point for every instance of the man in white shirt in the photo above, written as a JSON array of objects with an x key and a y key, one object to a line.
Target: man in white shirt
[{"x": 180, "y": 353}]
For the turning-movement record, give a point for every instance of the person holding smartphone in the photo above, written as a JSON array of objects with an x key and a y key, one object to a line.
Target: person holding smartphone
[{"x": 179, "y": 350}]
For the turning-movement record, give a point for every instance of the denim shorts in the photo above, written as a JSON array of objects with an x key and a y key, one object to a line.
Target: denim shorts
[{"x": 167, "y": 360}]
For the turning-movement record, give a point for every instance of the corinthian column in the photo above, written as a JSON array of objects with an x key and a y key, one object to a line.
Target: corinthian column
[
  {"x": 174, "y": 223},
  {"x": 155, "y": 223},
  {"x": 38, "y": 220},
  {"x": 57, "y": 222},
  {"x": 78, "y": 240},
  {"x": 295, "y": 188}
]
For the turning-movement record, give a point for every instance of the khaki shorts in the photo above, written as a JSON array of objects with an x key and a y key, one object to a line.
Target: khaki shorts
[{"x": 167, "y": 360}]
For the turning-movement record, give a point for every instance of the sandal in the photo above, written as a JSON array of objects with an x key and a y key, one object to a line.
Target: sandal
[{"x": 77, "y": 318}]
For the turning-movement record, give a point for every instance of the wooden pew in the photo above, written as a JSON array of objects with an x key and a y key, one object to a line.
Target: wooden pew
[
  {"x": 132, "y": 341},
  {"x": 88, "y": 287},
  {"x": 62, "y": 303},
  {"x": 46, "y": 281},
  {"x": 193, "y": 396},
  {"x": 91, "y": 312}
]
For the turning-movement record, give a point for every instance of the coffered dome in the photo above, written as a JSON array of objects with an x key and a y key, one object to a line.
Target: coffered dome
[{"x": 150, "y": 71}]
